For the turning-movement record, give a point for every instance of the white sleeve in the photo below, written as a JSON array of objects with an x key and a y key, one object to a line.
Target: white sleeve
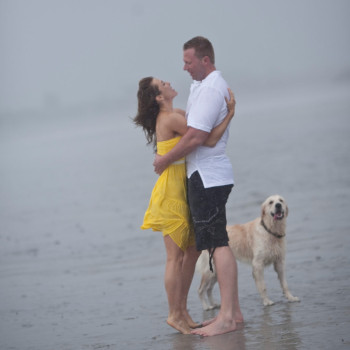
[{"x": 205, "y": 109}]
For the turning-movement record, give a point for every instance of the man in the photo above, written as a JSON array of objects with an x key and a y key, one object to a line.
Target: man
[{"x": 210, "y": 177}]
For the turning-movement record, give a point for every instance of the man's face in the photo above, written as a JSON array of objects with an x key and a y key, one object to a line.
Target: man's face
[{"x": 194, "y": 65}]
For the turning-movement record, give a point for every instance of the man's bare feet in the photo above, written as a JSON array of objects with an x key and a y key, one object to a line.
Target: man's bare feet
[
  {"x": 208, "y": 322},
  {"x": 239, "y": 319},
  {"x": 180, "y": 325},
  {"x": 216, "y": 327}
]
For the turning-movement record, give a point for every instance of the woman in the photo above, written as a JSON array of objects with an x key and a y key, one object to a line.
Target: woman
[{"x": 168, "y": 211}]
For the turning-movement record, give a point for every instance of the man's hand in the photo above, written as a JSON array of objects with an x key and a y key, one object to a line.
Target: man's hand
[{"x": 160, "y": 164}]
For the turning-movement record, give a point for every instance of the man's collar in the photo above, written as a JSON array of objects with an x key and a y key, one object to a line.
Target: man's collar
[{"x": 208, "y": 77}]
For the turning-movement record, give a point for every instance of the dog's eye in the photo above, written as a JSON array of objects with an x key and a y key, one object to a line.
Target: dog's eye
[
  {"x": 271, "y": 202},
  {"x": 281, "y": 200}
]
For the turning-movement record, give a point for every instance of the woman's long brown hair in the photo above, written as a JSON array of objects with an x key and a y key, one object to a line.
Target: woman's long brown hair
[{"x": 148, "y": 109}]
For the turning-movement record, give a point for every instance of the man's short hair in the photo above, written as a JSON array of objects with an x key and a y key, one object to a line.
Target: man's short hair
[{"x": 202, "y": 47}]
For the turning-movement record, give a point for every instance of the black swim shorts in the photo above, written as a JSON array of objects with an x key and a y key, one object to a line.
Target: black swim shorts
[{"x": 208, "y": 210}]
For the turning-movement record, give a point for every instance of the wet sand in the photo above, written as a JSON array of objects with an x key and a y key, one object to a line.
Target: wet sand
[{"x": 76, "y": 272}]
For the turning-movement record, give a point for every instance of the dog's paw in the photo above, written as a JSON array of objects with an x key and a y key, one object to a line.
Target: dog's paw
[
  {"x": 207, "y": 307},
  {"x": 211, "y": 307},
  {"x": 268, "y": 302},
  {"x": 293, "y": 299}
]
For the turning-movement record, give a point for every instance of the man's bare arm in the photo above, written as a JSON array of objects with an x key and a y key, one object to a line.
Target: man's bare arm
[{"x": 189, "y": 142}]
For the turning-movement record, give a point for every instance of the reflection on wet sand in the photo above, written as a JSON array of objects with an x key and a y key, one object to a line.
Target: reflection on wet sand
[
  {"x": 275, "y": 325},
  {"x": 266, "y": 329},
  {"x": 230, "y": 341}
]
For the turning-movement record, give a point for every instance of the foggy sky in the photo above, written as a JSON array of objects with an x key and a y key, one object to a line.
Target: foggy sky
[{"x": 70, "y": 52}]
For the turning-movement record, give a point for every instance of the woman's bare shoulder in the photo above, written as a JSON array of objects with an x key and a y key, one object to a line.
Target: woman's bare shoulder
[
  {"x": 179, "y": 111},
  {"x": 173, "y": 122}
]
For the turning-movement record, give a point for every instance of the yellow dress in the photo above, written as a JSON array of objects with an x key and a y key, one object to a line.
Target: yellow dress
[{"x": 168, "y": 211}]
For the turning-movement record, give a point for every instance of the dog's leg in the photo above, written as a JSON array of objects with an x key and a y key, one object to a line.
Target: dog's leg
[
  {"x": 204, "y": 291},
  {"x": 213, "y": 280},
  {"x": 279, "y": 268},
  {"x": 258, "y": 274}
]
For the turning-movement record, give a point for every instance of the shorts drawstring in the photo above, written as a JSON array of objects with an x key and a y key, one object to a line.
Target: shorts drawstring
[{"x": 211, "y": 253}]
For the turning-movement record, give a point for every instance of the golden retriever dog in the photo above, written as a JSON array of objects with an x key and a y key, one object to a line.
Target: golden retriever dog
[{"x": 260, "y": 242}]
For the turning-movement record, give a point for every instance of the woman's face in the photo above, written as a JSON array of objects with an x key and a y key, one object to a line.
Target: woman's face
[{"x": 165, "y": 89}]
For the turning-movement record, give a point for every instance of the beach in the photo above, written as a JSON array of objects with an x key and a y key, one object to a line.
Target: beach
[{"x": 77, "y": 272}]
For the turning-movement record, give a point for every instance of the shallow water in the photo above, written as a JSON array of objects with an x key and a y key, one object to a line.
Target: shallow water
[{"x": 76, "y": 272}]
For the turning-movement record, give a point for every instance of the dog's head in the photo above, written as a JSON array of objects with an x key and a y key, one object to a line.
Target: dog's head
[{"x": 275, "y": 207}]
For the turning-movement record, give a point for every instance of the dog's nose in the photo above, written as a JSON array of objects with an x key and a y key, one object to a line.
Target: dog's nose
[{"x": 278, "y": 205}]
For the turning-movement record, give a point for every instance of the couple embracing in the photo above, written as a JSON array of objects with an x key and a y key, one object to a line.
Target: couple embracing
[{"x": 189, "y": 198}]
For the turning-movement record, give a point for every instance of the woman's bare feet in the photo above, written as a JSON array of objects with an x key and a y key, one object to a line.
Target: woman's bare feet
[
  {"x": 190, "y": 321},
  {"x": 239, "y": 317},
  {"x": 180, "y": 325}
]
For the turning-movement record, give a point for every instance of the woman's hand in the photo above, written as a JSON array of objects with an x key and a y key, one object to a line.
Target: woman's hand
[{"x": 231, "y": 104}]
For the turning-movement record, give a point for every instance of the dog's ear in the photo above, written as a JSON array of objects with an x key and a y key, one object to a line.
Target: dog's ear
[
  {"x": 287, "y": 210},
  {"x": 263, "y": 210}
]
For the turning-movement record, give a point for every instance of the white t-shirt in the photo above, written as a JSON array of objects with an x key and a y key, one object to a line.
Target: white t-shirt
[{"x": 206, "y": 108}]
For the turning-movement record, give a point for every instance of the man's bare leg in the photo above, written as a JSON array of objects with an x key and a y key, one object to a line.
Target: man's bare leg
[
  {"x": 173, "y": 286},
  {"x": 225, "y": 321},
  {"x": 238, "y": 313},
  {"x": 188, "y": 268}
]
